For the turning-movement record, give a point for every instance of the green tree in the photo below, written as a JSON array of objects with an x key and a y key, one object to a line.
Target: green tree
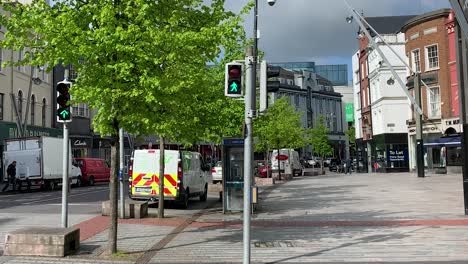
[
  {"x": 279, "y": 128},
  {"x": 351, "y": 134},
  {"x": 319, "y": 140},
  {"x": 141, "y": 63}
]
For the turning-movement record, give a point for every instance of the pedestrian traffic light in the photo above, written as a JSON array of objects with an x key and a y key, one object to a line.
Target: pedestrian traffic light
[
  {"x": 234, "y": 73},
  {"x": 266, "y": 86},
  {"x": 64, "y": 113}
]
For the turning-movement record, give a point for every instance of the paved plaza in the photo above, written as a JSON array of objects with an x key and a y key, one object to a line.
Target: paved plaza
[{"x": 334, "y": 218}]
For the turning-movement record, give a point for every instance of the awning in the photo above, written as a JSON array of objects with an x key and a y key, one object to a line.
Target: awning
[{"x": 444, "y": 141}]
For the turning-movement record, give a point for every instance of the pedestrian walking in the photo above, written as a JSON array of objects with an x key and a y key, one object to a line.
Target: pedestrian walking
[
  {"x": 11, "y": 175},
  {"x": 348, "y": 166}
]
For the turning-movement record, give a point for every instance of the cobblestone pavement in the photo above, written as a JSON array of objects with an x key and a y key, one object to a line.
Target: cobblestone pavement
[{"x": 334, "y": 218}]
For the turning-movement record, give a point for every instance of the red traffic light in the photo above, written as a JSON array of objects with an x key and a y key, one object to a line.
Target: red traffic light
[
  {"x": 235, "y": 71},
  {"x": 63, "y": 88}
]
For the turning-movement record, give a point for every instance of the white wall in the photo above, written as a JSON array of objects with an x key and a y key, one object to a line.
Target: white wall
[
  {"x": 389, "y": 102},
  {"x": 356, "y": 89}
]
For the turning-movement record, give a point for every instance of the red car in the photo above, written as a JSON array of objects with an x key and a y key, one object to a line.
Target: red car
[{"x": 262, "y": 170}]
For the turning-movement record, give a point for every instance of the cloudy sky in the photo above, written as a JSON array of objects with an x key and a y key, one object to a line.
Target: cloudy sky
[{"x": 316, "y": 30}]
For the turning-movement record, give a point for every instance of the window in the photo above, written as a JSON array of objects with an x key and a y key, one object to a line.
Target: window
[
  {"x": 20, "y": 104},
  {"x": 414, "y": 36},
  {"x": 432, "y": 57},
  {"x": 359, "y": 100},
  {"x": 368, "y": 96},
  {"x": 430, "y": 30},
  {"x": 416, "y": 60},
  {"x": 81, "y": 110},
  {"x": 33, "y": 111},
  {"x": 434, "y": 102},
  {"x": 362, "y": 71},
  {"x": 1, "y": 105},
  {"x": 44, "y": 104},
  {"x": 72, "y": 72}
]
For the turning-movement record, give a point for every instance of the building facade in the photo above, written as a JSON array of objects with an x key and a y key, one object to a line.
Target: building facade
[
  {"x": 381, "y": 139},
  {"x": 430, "y": 47}
]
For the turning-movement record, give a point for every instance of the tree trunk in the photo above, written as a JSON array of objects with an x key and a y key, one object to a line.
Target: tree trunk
[
  {"x": 161, "y": 178},
  {"x": 113, "y": 196},
  {"x": 322, "y": 171},
  {"x": 266, "y": 163}
]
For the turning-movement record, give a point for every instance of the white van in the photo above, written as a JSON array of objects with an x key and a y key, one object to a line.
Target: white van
[
  {"x": 288, "y": 161},
  {"x": 185, "y": 176}
]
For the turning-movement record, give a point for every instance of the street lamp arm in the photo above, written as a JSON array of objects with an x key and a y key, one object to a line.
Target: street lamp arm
[
  {"x": 386, "y": 43},
  {"x": 377, "y": 48}
]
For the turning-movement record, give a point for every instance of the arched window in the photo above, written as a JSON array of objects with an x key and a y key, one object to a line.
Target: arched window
[
  {"x": 33, "y": 106},
  {"x": 20, "y": 104},
  {"x": 44, "y": 105}
]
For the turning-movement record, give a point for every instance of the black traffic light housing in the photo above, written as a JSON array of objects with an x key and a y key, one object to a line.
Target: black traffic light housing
[
  {"x": 273, "y": 71},
  {"x": 64, "y": 113},
  {"x": 233, "y": 79}
]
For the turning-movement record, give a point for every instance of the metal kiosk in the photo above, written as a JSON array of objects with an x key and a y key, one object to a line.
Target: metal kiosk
[{"x": 233, "y": 174}]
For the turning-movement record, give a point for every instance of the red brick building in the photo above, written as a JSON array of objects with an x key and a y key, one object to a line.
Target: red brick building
[{"x": 430, "y": 47}]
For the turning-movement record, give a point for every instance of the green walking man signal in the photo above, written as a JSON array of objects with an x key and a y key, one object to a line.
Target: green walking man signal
[
  {"x": 64, "y": 102},
  {"x": 234, "y": 75}
]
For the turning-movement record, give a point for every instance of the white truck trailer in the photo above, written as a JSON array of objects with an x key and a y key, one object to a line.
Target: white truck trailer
[{"x": 39, "y": 161}]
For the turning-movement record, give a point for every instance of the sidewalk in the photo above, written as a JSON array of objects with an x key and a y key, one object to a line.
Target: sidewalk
[{"x": 330, "y": 218}]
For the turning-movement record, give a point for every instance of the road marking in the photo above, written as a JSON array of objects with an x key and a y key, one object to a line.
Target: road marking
[{"x": 58, "y": 198}]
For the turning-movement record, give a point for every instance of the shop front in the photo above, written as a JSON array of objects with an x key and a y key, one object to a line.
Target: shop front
[
  {"x": 390, "y": 153},
  {"x": 81, "y": 146}
]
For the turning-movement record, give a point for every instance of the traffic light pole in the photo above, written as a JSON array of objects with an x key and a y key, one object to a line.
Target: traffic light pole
[
  {"x": 65, "y": 177},
  {"x": 419, "y": 127},
  {"x": 248, "y": 149}
]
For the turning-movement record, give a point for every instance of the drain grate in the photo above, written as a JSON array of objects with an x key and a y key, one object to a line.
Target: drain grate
[{"x": 274, "y": 244}]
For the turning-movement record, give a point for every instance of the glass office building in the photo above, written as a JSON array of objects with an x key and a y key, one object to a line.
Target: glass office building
[
  {"x": 296, "y": 66},
  {"x": 337, "y": 74}
]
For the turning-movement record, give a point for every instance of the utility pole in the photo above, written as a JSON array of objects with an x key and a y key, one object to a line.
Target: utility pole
[
  {"x": 248, "y": 149},
  {"x": 419, "y": 125}
]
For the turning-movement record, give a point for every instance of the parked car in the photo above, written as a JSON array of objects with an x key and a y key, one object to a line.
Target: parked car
[
  {"x": 217, "y": 172},
  {"x": 92, "y": 170},
  {"x": 262, "y": 169}
]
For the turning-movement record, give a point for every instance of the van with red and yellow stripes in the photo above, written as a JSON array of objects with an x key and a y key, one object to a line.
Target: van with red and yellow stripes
[{"x": 185, "y": 176}]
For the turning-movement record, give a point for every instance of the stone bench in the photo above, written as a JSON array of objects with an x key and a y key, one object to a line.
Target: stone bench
[
  {"x": 133, "y": 209},
  {"x": 42, "y": 241}
]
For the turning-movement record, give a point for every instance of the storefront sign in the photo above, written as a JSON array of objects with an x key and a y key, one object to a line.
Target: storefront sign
[
  {"x": 349, "y": 112},
  {"x": 397, "y": 155},
  {"x": 79, "y": 143},
  {"x": 9, "y": 130}
]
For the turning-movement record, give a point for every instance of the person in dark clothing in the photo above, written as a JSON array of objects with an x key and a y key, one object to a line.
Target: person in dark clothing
[
  {"x": 348, "y": 166},
  {"x": 11, "y": 174}
]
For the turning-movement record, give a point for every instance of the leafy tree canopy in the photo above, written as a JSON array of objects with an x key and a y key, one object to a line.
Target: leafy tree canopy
[
  {"x": 142, "y": 63},
  {"x": 279, "y": 128}
]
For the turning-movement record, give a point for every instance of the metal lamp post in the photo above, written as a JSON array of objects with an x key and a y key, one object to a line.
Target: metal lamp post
[{"x": 250, "y": 109}]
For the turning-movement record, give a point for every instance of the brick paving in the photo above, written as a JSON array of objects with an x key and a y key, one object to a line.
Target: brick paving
[{"x": 334, "y": 218}]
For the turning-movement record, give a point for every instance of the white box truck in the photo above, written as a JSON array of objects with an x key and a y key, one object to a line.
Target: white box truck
[
  {"x": 288, "y": 160},
  {"x": 39, "y": 161}
]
